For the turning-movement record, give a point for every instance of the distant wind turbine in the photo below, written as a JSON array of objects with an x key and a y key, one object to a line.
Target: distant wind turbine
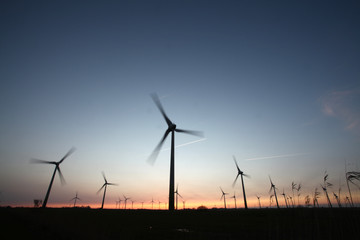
[
  {"x": 177, "y": 194},
  {"x": 171, "y": 129},
  {"x": 132, "y": 204},
  {"x": 57, "y": 168},
  {"x": 258, "y": 197},
  {"x": 241, "y": 173},
  {"x": 234, "y": 197},
  {"x": 223, "y": 196},
  {"x": 274, "y": 189},
  {"x": 104, "y": 186},
  {"x": 75, "y": 198},
  {"x": 125, "y": 199},
  {"x": 119, "y": 202},
  {"x": 152, "y": 203}
]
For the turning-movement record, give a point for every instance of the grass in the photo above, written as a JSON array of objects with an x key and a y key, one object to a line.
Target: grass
[{"x": 77, "y": 223}]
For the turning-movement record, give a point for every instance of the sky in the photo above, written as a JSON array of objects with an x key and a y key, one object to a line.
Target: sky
[{"x": 274, "y": 83}]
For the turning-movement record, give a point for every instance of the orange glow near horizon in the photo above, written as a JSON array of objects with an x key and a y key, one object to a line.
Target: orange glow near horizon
[{"x": 252, "y": 203}]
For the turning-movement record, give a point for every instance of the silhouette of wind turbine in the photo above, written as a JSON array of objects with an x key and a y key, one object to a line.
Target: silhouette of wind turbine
[
  {"x": 177, "y": 194},
  {"x": 241, "y": 173},
  {"x": 104, "y": 186},
  {"x": 125, "y": 199},
  {"x": 75, "y": 198},
  {"x": 171, "y": 129},
  {"x": 274, "y": 189},
  {"x": 57, "y": 168},
  {"x": 258, "y": 197},
  {"x": 223, "y": 196},
  {"x": 234, "y": 197},
  {"x": 152, "y": 203}
]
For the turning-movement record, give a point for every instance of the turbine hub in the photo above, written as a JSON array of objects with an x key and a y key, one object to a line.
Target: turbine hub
[{"x": 172, "y": 127}]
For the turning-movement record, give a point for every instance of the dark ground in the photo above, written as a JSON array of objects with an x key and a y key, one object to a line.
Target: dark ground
[{"x": 68, "y": 223}]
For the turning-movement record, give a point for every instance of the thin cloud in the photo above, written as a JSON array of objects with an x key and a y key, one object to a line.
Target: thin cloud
[
  {"x": 276, "y": 156},
  {"x": 343, "y": 105}
]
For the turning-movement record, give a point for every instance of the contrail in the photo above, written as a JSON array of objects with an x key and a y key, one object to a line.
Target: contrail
[
  {"x": 185, "y": 144},
  {"x": 276, "y": 156}
]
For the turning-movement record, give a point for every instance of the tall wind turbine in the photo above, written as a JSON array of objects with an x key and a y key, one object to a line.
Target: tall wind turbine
[
  {"x": 75, "y": 198},
  {"x": 223, "y": 196},
  {"x": 104, "y": 186},
  {"x": 274, "y": 189},
  {"x": 171, "y": 129},
  {"x": 241, "y": 173},
  {"x": 177, "y": 194},
  {"x": 57, "y": 168}
]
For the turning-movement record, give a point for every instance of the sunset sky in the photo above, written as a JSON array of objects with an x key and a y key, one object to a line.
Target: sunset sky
[{"x": 274, "y": 83}]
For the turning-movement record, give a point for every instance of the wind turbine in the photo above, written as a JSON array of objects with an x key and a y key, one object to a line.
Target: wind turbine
[
  {"x": 152, "y": 203},
  {"x": 119, "y": 202},
  {"x": 177, "y": 194},
  {"x": 75, "y": 198},
  {"x": 223, "y": 196},
  {"x": 258, "y": 197},
  {"x": 104, "y": 186},
  {"x": 274, "y": 189},
  {"x": 57, "y": 168},
  {"x": 241, "y": 173},
  {"x": 125, "y": 199},
  {"x": 234, "y": 197},
  {"x": 171, "y": 129},
  {"x": 132, "y": 204}
]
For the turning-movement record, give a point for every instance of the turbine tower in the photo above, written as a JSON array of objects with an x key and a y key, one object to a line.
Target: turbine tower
[
  {"x": 223, "y": 196},
  {"x": 75, "y": 198},
  {"x": 234, "y": 197},
  {"x": 125, "y": 199},
  {"x": 274, "y": 189},
  {"x": 171, "y": 129},
  {"x": 57, "y": 169},
  {"x": 177, "y": 194},
  {"x": 104, "y": 186},
  {"x": 241, "y": 173}
]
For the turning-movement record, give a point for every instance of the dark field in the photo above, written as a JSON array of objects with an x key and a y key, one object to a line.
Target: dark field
[{"x": 67, "y": 223}]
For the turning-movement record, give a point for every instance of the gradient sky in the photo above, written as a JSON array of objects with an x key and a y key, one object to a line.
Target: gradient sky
[{"x": 275, "y": 83}]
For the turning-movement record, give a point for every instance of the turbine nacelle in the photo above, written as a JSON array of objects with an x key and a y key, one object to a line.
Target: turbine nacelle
[{"x": 172, "y": 127}]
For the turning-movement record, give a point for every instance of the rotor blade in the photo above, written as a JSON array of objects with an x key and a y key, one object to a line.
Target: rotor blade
[
  {"x": 156, "y": 99},
  {"x": 62, "y": 179},
  {"x": 114, "y": 184},
  {"x": 34, "y": 160},
  {"x": 245, "y": 175},
  {"x": 179, "y": 195},
  {"x": 156, "y": 151},
  {"x": 67, "y": 154},
  {"x": 104, "y": 177},
  {"x": 271, "y": 181},
  {"x": 195, "y": 133},
  {"x": 237, "y": 166},
  {"x": 101, "y": 188},
  {"x": 233, "y": 185}
]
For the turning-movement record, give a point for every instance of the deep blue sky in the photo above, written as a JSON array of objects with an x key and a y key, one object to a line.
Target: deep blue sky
[{"x": 260, "y": 78}]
